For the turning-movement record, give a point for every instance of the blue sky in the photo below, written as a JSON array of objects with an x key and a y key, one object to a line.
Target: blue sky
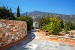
[{"x": 54, "y": 6}]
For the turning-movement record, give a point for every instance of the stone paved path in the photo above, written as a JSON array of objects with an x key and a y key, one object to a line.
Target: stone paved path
[{"x": 41, "y": 44}]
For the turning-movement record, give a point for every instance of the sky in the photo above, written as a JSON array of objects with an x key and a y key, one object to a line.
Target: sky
[{"x": 54, "y": 6}]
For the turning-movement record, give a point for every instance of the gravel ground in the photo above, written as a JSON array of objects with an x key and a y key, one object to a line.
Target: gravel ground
[{"x": 41, "y": 44}]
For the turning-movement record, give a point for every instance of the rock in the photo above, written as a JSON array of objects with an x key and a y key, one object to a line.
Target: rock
[
  {"x": 0, "y": 25},
  {"x": 6, "y": 34},
  {"x": 4, "y": 24},
  {"x": 7, "y": 27}
]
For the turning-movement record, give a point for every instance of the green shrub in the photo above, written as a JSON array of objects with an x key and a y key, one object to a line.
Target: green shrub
[{"x": 28, "y": 19}]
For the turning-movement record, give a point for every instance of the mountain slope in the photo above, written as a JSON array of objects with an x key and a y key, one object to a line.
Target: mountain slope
[{"x": 38, "y": 14}]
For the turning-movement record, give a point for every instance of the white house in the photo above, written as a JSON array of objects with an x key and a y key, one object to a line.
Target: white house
[{"x": 36, "y": 25}]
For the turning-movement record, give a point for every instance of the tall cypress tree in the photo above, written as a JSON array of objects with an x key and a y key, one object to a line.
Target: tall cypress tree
[{"x": 18, "y": 12}]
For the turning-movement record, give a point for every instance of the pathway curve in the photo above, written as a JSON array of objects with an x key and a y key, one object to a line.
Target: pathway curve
[{"x": 36, "y": 42}]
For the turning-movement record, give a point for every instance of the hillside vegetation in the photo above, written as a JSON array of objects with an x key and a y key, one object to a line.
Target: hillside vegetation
[{"x": 54, "y": 25}]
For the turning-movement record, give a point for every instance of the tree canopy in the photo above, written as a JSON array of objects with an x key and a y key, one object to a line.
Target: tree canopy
[
  {"x": 69, "y": 26},
  {"x": 43, "y": 21},
  {"x": 53, "y": 26},
  {"x": 5, "y": 13}
]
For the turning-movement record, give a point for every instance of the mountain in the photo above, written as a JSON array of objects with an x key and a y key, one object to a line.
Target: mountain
[{"x": 38, "y": 14}]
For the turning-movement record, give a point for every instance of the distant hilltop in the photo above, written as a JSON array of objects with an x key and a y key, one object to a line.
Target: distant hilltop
[{"x": 39, "y": 14}]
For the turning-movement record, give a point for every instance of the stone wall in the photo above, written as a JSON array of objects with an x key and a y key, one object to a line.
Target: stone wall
[{"x": 12, "y": 31}]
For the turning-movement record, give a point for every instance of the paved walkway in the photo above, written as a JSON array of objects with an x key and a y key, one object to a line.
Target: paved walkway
[{"x": 37, "y": 42}]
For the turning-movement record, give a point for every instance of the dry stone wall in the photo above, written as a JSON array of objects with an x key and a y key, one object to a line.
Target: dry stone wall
[{"x": 12, "y": 31}]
